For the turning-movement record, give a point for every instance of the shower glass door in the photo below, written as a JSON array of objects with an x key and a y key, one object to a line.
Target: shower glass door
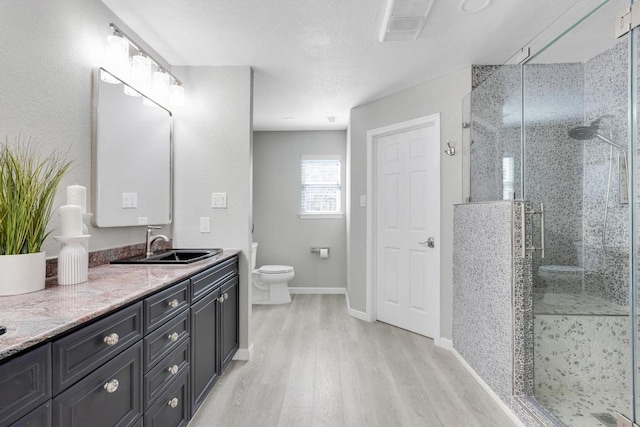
[{"x": 576, "y": 138}]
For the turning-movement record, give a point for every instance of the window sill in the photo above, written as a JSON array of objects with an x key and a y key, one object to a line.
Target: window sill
[{"x": 321, "y": 215}]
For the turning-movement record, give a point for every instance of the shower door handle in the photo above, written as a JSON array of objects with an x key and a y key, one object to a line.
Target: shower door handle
[{"x": 526, "y": 248}]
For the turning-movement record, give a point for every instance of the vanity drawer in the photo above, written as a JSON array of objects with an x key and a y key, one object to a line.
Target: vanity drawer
[
  {"x": 204, "y": 282},
  {"x": 165, "y": 339},
  {"x": 40, "y": 417},
  {"x": 25, "y": 383},
  {"x": 110, "y": 396},
  {"x": 159, "y": 378},
  {"x": 164, "y": 305},
  {"x": 172, "y": 408},
  {"x": 79, "y": 353}
]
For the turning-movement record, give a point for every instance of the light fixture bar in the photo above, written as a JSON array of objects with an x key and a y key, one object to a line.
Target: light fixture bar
[{"x": 122, "y": 34}]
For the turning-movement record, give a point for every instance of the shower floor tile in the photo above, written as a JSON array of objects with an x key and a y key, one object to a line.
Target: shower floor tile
[{"x": 576, "y": 409}]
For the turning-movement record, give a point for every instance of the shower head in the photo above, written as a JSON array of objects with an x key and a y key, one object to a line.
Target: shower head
[
  {"x": 586, "y": 133},
  {"x": 583, "y": 133}
]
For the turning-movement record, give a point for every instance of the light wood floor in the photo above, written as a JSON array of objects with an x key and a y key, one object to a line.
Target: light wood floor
[{"x": 314, "y": 365}]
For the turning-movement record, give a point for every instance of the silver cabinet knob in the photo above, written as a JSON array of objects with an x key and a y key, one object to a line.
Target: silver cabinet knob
[
  {"x": 221, "y": 299},
  {"x": 173, "y": 369},
  {"x": 173, "y": 402},
  {"x": 173, "y": 303},
  {"x": 111, "y": 339},
  {"x": 173, "y": 337},
  {"x": 226, "y": 296},
  {"x": 111, "y": 386}
]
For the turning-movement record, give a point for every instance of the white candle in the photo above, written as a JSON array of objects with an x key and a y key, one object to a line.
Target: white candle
[
  {"x": 70, "y": 221},
  {"x": 77, "y": 195}
]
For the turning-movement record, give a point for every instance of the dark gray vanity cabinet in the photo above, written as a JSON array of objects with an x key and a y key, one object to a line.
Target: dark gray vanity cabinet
[
  {"x": 150, "y": 363},
  {"x": 214, "y": 323}
]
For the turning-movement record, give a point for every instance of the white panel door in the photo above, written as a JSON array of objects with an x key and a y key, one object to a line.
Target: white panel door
[{"x": 407, "y": 214}]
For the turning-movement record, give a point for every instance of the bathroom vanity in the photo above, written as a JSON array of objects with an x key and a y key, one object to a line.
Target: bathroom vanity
[{"x": 136, "y": 345}]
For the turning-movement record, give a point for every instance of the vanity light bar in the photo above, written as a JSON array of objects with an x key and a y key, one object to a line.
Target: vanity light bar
[{"x": 118, "y": 32}]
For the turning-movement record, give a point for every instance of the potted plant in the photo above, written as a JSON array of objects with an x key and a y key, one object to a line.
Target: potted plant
[{"x": 28, "y": 182}]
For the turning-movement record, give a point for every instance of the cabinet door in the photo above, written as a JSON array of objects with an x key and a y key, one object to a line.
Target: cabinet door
[
  {"x": 229, "y": 321},
  {"x": 110, "y": 396},
  {"x": 172, "y": 408},
  {"x": 25, "y": 383},
  {"x": 40, "y": 417},
  {"x": 204, "y": 347}
]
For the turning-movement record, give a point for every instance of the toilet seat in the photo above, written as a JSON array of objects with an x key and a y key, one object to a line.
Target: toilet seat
[{"x": 275, "y": 269}]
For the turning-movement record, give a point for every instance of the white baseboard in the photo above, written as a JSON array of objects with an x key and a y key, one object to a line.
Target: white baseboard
[
  {"x": 318, "y": 291},
  {"x": 244, "y": 353},
  {"x": 505, "y": 408},
  {"x": 444, "y": 343},
  {"x": 361, "y": 315}
]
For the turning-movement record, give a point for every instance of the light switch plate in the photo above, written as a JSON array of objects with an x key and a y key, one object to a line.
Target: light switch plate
[
  {"x": 129, "y": 200},
  {"x": 205, "y": 224},
  {"x": 219, "y": 200}
]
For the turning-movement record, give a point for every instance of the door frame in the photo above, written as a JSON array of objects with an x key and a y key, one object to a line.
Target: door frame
[{"x": 372, "y": 138}]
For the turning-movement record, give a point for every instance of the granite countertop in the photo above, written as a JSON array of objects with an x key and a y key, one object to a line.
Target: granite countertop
[{"x": 39, "y": 316}]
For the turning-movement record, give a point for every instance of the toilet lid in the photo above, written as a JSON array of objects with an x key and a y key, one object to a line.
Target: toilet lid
[
  {"x": 561, "y": 269},
  {"x": 275, "y": 269}
]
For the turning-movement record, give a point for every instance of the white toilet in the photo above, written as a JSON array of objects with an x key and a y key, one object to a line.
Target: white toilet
[{"x": 270, "y": 282}]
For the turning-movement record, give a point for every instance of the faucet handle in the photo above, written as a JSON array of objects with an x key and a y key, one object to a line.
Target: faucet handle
[{"x": 153, "y": 227}]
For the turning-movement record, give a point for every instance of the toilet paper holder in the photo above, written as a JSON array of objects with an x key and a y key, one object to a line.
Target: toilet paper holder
[{"x": 318, "y": 250}]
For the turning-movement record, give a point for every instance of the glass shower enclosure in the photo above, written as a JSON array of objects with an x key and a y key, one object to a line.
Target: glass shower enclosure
[{"x": 560, "y": 131}]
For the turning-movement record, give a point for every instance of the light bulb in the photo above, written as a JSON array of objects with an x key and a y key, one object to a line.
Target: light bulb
[
  {"x": 176, "y": 95},
  {"x": 160, "y": 87},
  {"x": 117, "y": 61},
  {"x": 140, "y": 75}
]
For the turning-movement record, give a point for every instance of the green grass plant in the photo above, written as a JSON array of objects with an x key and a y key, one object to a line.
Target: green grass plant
[{"x": 28, "y": 183}]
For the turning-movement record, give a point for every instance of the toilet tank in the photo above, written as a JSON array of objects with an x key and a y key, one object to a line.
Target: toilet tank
[{"x": 254, "y": 251}]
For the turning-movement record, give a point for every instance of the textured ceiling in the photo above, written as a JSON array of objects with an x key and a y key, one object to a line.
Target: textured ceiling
[{"x": 320, "y": 58}]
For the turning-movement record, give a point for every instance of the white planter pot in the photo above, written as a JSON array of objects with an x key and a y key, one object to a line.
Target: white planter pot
[{"x": 21, "y": 274}]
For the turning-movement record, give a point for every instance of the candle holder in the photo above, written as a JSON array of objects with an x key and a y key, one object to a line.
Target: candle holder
[
  {"x": 73, "y": 260},
  {"x": 86, "y": 217}
]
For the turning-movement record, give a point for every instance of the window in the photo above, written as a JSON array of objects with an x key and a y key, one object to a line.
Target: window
[
  {"x": 508, "y": 178},
  {"x": 321, "y": 192}
]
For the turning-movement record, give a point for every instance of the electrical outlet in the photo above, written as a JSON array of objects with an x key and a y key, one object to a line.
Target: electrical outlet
[
  {"x": 363, "y": 201},
  {"x": 205, "y": 224},
  {"x": 143, "y": 220}
]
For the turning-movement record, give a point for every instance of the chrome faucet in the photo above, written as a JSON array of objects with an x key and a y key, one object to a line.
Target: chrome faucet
[{"x": 151, "y": 238}]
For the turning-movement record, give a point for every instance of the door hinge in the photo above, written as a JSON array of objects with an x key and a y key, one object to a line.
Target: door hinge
[{"x": 627, "y": 20}]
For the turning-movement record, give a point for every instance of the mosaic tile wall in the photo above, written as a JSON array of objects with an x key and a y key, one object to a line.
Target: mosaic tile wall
[
  {"x": 482, "y": 283},
  {"x": 606, "y": 93}
]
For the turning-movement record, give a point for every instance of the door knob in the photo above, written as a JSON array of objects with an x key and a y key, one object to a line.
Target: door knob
[{"x": 430, "y": 243}]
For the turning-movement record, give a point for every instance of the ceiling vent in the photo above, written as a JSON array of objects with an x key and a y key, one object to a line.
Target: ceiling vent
[{"x": 404, "y": 20}]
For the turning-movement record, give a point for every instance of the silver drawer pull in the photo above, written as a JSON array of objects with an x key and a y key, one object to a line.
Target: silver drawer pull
[
  {"x": 173, "y": 402},
  {"x": 173, "y": 303},
  {"x": 111, "y": 386},
  {"x": 226, "y": 296},
  {"x": 221, "y": 299},
  {"x": 173, "y": 337},
  {"x": 111, "y": 339},
  {"x": 173, "y": 369}
]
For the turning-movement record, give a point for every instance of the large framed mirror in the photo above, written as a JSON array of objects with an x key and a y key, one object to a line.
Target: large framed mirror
[{"x": 132, "y": 156}]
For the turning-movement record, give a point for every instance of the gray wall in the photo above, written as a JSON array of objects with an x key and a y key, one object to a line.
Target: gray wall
[
  {"x": 442, "y": 95},
  {"x": 213, "y": 153},
  {"x": 49, "y": 50},
  {"x": 283, "y": 237}
]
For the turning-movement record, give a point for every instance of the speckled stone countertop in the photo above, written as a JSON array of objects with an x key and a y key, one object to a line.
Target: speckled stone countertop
[{"x": 39, "y": 316}]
